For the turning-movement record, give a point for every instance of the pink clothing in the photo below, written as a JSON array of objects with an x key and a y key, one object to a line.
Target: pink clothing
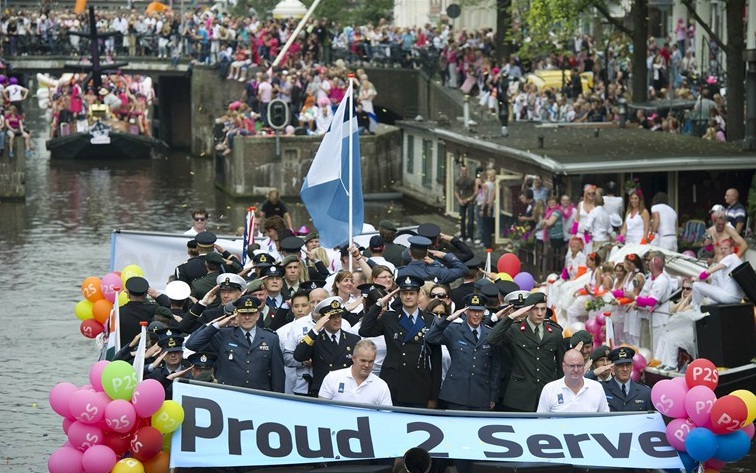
[{"x": 76, "y": 104}]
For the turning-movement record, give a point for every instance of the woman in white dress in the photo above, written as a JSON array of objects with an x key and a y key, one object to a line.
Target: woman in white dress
[
  {"x": 584, "y": 207},
  {"x": 597, "y": 282},
  {"x": 637, "y": 220},
  {"x": 634, "y": 281}
]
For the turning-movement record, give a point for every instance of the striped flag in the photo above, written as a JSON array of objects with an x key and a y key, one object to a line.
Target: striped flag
[
  {"x": 332, "y": 190},
  {"x": 249, "y": 232}
]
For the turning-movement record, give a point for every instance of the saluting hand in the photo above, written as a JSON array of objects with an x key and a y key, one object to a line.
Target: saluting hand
[
  {"x": 211, "y": 295},
  {"x": 520, "y": 313},
  {"x": 179, "y": 374},
  {"x": 455, "y": 314}
]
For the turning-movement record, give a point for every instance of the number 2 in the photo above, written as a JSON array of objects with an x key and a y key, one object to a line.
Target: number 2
[{"x": 435, "y": 437}]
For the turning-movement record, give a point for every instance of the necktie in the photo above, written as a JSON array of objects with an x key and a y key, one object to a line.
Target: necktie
[
  {"x": 475, "y": 336},
  {"x": 333, "y": 339},
  {"x": 624, "y": 390},
  {"x": 249, "y": 338},
  {"x": 272, "y": 303},
  {"x": 538, "y": 333}
]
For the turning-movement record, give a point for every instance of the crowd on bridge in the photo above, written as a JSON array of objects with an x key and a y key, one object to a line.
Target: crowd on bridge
[
  {"x": 427, "y": 323},
  {"x": 241, "y": 46}
]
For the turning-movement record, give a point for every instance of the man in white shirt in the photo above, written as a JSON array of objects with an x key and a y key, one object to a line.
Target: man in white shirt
[
  {"x": 357, "y": 383},
  {"x": 199, "y": 217},
  {"x": 573, "y": 392}
]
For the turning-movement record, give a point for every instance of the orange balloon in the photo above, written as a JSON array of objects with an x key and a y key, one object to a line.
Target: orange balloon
[
  {"x": 91, "y": 290},
  {"x": 654, "y": 363},
  {"x": 158, "y": 463},
  {"x": 101, "y": 310},
  {"x": 567, "y": 333}
]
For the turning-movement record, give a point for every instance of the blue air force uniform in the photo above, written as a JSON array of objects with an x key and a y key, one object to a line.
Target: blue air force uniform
[
  {"x": 638, "y": 397},
  {"x": 472, "y": 379}
]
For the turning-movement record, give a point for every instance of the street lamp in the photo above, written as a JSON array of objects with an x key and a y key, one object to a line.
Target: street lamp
[{"x": 622, "y": 102}]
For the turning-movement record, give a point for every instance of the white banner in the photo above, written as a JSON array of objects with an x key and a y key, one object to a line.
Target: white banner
[
  {"x": 238, "y": 427},
  {"x": 157, "y": 254}
]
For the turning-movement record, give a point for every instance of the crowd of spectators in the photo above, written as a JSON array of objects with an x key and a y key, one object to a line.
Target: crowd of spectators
[{"x": 241, "y": 45}]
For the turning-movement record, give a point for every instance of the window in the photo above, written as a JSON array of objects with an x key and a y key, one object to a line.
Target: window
[
  {"x": 427, "y": 163},
  {"x": 410, "y": 154},
  {"x": 440, "y": 163}
]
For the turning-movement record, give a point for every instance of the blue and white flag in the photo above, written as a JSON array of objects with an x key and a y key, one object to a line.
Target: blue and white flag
[{"x": 326, "y": 190}]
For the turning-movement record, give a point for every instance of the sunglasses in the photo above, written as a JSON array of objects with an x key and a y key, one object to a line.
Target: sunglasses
[
  {"x": 687, "y": 288},
  {"x": 440, "y": 313},
  {"x": 199, "y": 219},
  {"x": 438, "y": 295}
]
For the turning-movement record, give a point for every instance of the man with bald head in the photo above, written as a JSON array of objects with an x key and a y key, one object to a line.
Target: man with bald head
[
  {"x": 736, "y": 212},
  {"x": 573, "y": 392}
]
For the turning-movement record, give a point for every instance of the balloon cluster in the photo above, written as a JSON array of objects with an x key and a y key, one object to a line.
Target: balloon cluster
[
  {"x": 705, "y": 428},
  {"x": 595, "y": 326},
  {"x": 509, "y": 270},
  {"x": 114, "y": 424},
  {"x": 99, "y": 297}
]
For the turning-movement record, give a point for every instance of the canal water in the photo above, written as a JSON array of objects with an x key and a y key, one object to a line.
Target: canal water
[{"x": 61, "y": 235}]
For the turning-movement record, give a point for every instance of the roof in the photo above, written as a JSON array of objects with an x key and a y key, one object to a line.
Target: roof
[{"x": 595, "y": 148}]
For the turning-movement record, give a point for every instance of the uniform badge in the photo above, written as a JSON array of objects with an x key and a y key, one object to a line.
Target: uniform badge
[
  {"x": 396, "y": 336},
  {"x": 560, "y": 399},
  {"x": 203, "y": 359},
  {"x": 349, "y": 348},
  {"x": 264, "y": 346},
  {"x": 341, "y": 387},
  {"x": 231, "y": 356}
]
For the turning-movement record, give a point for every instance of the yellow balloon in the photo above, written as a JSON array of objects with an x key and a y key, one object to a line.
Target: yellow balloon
[
  {"x": 83, "y": 309},
  {"x": 169, "y": 417},
  {"x": 504, "y": 277},
  {"x": 122, "y": 298},
  {"x": 129, "y": 272},
  {"x": 128, "y": 465},
  {"x": 750, "y": 401},
  {"x": 167, "y": 442}
]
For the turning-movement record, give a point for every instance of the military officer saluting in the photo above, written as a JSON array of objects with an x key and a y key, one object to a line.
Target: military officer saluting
[
  {"x": 329, "y": 347},
  {"x": 203, "y": 365},
  {"x": 536, "y": 349},
  {"x": 412, "y": 368},
  {"x": 447, "y": 269},
  {"x": 622, "y": 393},
  {"x": 472, "y": 380},
  {"x": 248, "y": 355}
]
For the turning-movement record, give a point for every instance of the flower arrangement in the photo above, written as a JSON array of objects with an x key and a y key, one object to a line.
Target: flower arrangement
[
  {"x": 521, "y": 233},
  {"x": 596, "y": 303}
]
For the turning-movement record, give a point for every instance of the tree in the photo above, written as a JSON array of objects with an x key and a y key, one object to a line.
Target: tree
[
  {"x": 735, "y": 65},
  {"x": 547, "y": 25}
]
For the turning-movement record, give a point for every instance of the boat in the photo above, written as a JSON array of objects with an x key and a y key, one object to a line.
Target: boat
[{"x": 115, "y": 124}]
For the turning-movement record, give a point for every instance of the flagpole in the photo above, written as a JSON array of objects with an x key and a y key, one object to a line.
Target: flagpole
[
  {"x": 141, "y": 348},
  {"x": 350, "y": 104}
]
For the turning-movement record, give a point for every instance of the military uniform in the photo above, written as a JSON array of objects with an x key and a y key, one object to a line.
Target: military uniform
[
  {"x": 444, "y": 271},
  {"x": 637, "y": 397},
  {"x": 326, "y": 356},
  {"x": 412, "y": 368},
  {"x": 193, "y": 268},
  {"x": 256, "y": 366},
  {"x": 472, "y": 379},
  {"x": 534, "y": 363},
  {"x": 170, "y": 342},
  {"x": 134, "y": 312}
]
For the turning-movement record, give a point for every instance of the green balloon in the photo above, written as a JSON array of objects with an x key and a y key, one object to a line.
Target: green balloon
[{"x": 119, "y": 380}]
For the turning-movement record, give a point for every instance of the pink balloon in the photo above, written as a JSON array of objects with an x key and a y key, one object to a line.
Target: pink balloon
[
  {"x": 59, "y": 397},
  {"x": 698, "y": 403},
  {"x": 98, "y": 459},
  {"x": 592, "y": 326},
  {"x": 108, "y": 285},
  {"x": 669, "y": 398},
  {"x": 95, "y": 374},
  {"x": 680, "y": 381},
  {"x": 88, "y": 387},
  {"x": 83, "y": 436},
  {"x": 120, "y": 416},
  {"x": 639, "y": 362},
  {"x": 148, "y": 397},
  {"x": 67, "y": 424},
  {"x": 65, "y": 460},
  {"x": 87, "y": 406},
  {"x": 635, "y": 376},
  {"x": 601, "y": 319},
  {"x": 692, "y": 254},
  {"x": 677, "y": 432}
]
